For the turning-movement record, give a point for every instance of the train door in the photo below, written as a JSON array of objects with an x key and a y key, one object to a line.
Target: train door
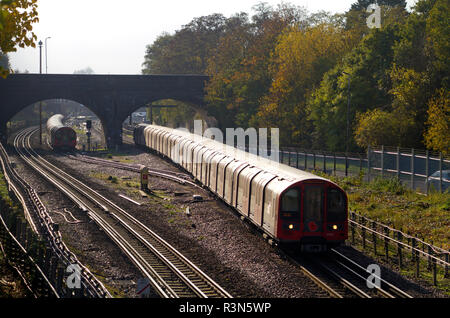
[{"x": 313, "y": 208}]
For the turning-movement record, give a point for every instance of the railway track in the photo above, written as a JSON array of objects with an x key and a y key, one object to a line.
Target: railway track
[
  {"x": 342, "y": 277},
  {"x": 335, "y": 273},
  {"x": 169, "y": 273},
  {"x": 181, "y": 178}
]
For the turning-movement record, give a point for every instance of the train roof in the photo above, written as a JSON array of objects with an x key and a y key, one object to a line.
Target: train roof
[
  {"x": 268, "y": 165},
  {"x": 55, "y": 121}
]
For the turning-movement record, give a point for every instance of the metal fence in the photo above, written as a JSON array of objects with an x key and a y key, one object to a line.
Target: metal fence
[
  {"x": 400, "y": 248},
  {"x": 420, "y": 170}
]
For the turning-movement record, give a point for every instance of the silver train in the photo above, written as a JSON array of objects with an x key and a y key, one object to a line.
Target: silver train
[
  {"x": 287, "y": 204},
  {"x": 60, "y": 136}
]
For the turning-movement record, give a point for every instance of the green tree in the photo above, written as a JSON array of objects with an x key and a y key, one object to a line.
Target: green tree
[
  {"x": 366, "y": 70},
  {"x": 186, "y": 51}
]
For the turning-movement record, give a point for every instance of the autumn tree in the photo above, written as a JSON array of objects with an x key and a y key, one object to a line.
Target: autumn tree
[
  {"x": 437, "y": 136},
  {"x": 300, "y": 59},
  {"x": 239, "y": 66},
  {"x": 16, "y": 19}
]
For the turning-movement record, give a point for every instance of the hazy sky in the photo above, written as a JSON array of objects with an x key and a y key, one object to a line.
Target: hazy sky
[{"x": 110, "y": 36}]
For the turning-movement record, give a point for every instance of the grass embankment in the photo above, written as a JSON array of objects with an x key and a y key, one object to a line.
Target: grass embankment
[{"x": 392, "y": 203}]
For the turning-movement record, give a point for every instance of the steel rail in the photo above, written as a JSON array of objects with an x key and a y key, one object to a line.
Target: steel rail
[
  {"x": 174, "y": 176},
  {"x": 12, "y": 179},
  {"x": 388, "y": 290},
  {"x": 94, "y": 287},
  {"x": 339, "y": 278},
  {"x": 135, "y": 229},
  {"x": 130, "y": 252}
]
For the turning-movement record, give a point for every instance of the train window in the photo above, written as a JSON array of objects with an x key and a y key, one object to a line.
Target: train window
[
  {"x": 290, "y": 203},
  {"x": 336, "y": 205},
  {"x": 313, "y": 207}
]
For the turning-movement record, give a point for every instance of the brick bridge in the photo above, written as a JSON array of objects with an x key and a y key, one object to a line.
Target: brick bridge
[{"x": 111, "y": 97}]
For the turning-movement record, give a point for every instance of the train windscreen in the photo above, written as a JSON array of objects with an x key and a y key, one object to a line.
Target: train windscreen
[
  {"x": 336, "y": 205},
  {"x": 290, "y": 204},
  {"x": 313, "y": 208}
]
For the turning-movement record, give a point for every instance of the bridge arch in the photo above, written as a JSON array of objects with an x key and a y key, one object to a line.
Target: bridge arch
[{"x": 111, "y": 97}]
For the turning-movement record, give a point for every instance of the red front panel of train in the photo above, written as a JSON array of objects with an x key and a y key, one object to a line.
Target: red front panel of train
[{"x": 313, "y": 210}]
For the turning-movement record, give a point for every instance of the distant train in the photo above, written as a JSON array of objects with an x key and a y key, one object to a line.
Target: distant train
[
  {"x": 287, "y": 204},
  {"x": 60, "y": 136}
]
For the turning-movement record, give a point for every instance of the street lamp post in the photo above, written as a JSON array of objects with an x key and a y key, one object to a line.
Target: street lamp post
[
  {"x": 46, "y": 66},
  {"x": 347, "y": 135},
  {"x": 40, "y": 103}
]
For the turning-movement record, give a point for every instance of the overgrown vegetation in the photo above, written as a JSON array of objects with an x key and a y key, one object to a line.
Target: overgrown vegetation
[{"x": 392, "y": 203}]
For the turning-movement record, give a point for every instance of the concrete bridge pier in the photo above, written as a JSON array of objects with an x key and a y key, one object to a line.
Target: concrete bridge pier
[{"x": 113, "y": 132}]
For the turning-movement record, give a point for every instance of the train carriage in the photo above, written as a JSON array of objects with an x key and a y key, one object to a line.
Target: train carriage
[
  {"x": 60, "y": 136},
  {"x": 289, "y": 205}
]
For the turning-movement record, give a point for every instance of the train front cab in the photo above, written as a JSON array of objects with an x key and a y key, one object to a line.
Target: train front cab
[
  {"x": 64, "y": 138},
  {"x": 313, "y": 213}
]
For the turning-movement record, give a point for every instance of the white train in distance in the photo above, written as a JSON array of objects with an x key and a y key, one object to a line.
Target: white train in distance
[{"x": 291, "y": 206}]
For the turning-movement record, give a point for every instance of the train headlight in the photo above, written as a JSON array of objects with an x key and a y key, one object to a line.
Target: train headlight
[
  {"x": 291, "y": 226},
  {"x": 335, "y": 227}
]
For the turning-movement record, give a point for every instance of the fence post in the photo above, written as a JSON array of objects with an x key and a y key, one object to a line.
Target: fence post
[
  {"x": 374, "y": 237},
  {"x": 334, "y": 163},
  {"x": 289, "y": 157},
  {"x": 306, "y": 160},
  {"x": 296, "y": 159},
  {"x": 324, "y": 162},
  {"x": 412, "y": 168},
  {"x": 346, "y": 164},
  {"x": 415, "y": 256},
  {"x": 386, "y": 243},
  {"x": 314, "y": 160},
  {"x": 59, "y": 280},
  {"x": 353, "y": 228},
  {"x": 382, "y": 161},
  {"x": 434, "y": 272},
  {"x": 429, "y": 252},
  {"x": 440, "y": 172},
  {"x": 399, "y": 249},
  {"x": 446, "y": 266},
  {"x": 398, "y": 163},
  {"x": 363, "y": 231},
  {"x": 368, "y": 163},
  {"x": 427, "y": 171}
]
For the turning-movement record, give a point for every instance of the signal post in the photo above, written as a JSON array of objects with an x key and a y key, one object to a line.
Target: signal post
[{"x": 144, "y": 178}]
